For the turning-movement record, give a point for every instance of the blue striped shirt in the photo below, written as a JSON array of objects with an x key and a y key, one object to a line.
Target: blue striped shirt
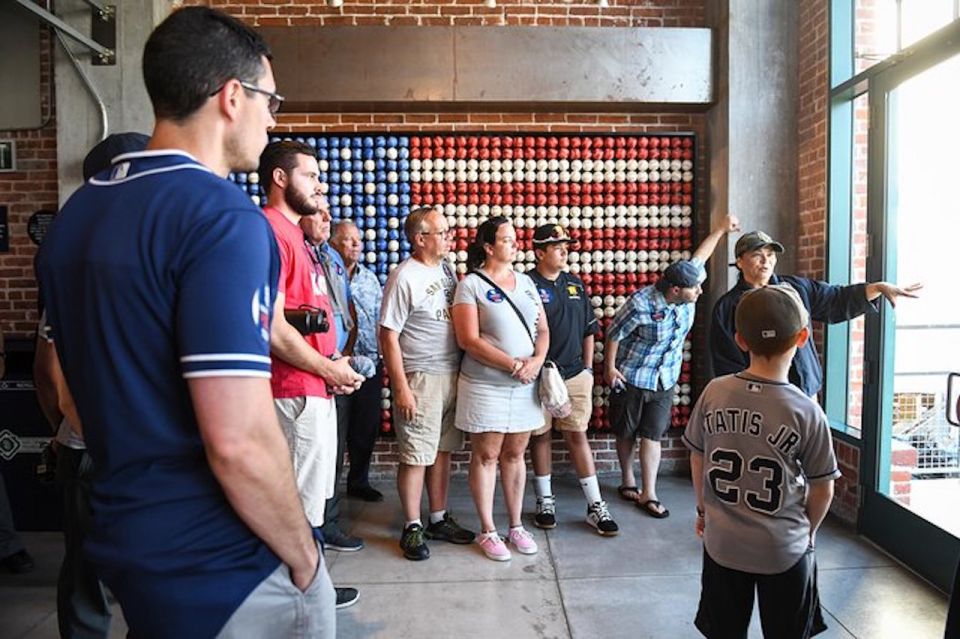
[{"x": 651, "y": 333}]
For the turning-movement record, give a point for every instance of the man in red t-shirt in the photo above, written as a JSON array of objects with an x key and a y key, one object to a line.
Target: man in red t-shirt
[{"x": 305, "y": 377}]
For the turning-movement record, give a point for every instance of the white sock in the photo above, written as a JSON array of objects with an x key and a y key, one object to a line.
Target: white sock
[
  {"x": 591, "y": 489},
  {"x": 541, "y": 485},
  {"x": 410, "y": 523},
  {"x": 437, "y": 516}
]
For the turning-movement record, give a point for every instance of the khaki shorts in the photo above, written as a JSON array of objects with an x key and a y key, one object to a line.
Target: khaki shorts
[
  {"x": 310, "y": 426},
  {"x": 580, "y": 389},
  {"x": 432, "y": 427}
]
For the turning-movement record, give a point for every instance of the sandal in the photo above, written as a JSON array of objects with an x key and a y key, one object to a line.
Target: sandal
[
  {"x": 649, "y": 508},
  {"x": 628, "y": 493}
]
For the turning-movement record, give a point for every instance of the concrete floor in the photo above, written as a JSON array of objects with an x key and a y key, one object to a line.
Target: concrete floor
[{"x": 642, "y": 583}]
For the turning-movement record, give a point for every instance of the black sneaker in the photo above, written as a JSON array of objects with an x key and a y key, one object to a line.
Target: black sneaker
[
  {"x": 346, "y": 597},
  {"x": 18, "y": 563},
  {"x": 447, "y": 529},
  {"x": 412, "y": 544},
  {"x": 546, "y": 516},
  {"x": 366, "y": 493},
  {"x": 343, "y": 542},
  {"x": 599, "y": 517}
]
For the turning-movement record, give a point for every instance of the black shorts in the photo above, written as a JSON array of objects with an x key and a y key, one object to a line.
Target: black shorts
[
  {"x": 635, "y": 411},
  {"x": 789, "y": 601}
]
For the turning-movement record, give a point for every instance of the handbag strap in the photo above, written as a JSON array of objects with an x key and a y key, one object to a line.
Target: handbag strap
[{"x": 509, "y": 301}]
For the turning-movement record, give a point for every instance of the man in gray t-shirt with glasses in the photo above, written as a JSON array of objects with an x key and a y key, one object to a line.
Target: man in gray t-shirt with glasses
[{"x": 422, "y": 358}]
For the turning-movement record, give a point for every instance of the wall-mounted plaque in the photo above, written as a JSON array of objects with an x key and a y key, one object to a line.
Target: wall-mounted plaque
[
  {"x": 38, "y": 224},
  {"x": 4, "y": 231}
]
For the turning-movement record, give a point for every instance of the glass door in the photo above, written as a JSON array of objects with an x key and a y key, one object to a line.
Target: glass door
[{"x": 912, "y": 461}]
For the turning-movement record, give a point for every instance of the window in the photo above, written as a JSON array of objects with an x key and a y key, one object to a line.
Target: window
[{"x": 867, "y": 37}]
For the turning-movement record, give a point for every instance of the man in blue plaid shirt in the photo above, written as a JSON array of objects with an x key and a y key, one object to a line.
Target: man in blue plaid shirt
[{"x": 644, "y": 351}]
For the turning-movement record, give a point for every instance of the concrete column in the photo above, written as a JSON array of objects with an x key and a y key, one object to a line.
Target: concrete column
[
  {"x": 119, "y": 86},
  {"x": 752, "y": 128}
]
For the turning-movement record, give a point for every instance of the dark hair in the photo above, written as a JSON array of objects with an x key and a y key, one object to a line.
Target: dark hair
[
  {"x": 192, "y": 54},
  {"x": 486, "y": 234},
  {"x": 662, "y": 284},
  {"x": 283, "y": 155}
]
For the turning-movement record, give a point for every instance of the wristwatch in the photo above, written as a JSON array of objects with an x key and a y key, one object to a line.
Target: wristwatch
[{"x": 699, "y": 512}]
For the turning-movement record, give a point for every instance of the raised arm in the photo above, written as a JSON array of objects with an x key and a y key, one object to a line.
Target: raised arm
[
  {"x": 725, "y": 225},
  {"x": 250, "y": 458}
]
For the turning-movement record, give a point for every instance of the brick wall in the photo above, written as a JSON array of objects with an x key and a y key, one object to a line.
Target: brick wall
[
  {"x": 385, "y": 456},
  {"x": 31, "y": 188},
  {"x": 620, "y": 13},
  {"x": 36, "y": 186}
]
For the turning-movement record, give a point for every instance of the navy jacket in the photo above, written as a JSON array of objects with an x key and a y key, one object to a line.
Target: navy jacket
[{"x": 825, "y": 302}]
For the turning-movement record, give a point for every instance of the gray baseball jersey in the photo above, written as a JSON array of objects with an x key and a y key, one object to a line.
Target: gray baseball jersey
[{"x": 761, "y": 442}]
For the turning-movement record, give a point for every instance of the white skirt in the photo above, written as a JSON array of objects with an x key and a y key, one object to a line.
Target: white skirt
[{"x": 495, "y": 408}]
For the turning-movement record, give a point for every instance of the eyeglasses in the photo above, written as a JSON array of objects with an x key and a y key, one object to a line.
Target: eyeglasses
[
  {"x": 274, "y": 100},
  {"x": 446, "y": 233}
]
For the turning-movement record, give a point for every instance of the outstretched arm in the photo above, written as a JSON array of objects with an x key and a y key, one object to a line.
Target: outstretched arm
[
  {"x": 890, "y": 291},
  {"x": 727, "y": 224}
]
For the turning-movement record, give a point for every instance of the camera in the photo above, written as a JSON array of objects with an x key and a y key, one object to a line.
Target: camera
[{"x": 308, "y": 319}]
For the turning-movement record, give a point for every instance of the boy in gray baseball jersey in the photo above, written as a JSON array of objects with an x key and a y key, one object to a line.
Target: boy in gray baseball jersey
[{"x": 763, "y": 468}]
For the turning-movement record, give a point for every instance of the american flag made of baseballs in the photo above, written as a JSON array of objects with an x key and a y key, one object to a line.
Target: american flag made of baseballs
[{"x": 627, "y": 200}]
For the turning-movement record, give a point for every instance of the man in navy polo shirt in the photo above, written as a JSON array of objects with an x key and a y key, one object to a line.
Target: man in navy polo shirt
[
  {"x": 572, "y": 330},
  {"x": 159, "y": 279}
]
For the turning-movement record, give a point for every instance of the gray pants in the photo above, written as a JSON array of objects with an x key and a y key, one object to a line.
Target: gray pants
[
  {"x": 277, "y": 608},
  {"x": 82, "y": 607}
]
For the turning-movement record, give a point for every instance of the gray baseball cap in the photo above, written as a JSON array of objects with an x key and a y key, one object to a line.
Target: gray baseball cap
[{"x": 770, "y": 312}]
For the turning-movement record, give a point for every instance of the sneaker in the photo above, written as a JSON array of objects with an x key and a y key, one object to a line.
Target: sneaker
[
  {"x": 522, "y": 541},
  {"x": 449, "y": 530},
  {"x": 412, "y": 544},
  {"x": 343, "y": 542},
  {"x": 546, "y": 516},
  {"x": 493, "y": 547},
  {"x": 366, "y": 493},
  {"x": 18, "y": 563},
  {"x": 599, "y": 517},
  {"x": 346, "y": 597}
]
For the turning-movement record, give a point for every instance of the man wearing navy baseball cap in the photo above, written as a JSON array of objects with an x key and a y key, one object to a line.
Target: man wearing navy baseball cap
[
  {"x": 572, "y": 329},
  {"x": 644, "y": 352}
]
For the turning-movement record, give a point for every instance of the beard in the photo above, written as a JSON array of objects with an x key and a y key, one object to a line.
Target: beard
[{"x": 300, "y": 203}]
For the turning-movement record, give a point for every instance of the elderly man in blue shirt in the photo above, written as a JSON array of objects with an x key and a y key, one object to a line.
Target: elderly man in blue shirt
[
  {"x": 644, "y": 351},
  {"x": 362, "y": 407}
]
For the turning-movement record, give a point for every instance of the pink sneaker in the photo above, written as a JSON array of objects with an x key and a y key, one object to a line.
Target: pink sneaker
[
  {"x": 493, "y": 547},
  {"x": 522, "y": 540}
]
